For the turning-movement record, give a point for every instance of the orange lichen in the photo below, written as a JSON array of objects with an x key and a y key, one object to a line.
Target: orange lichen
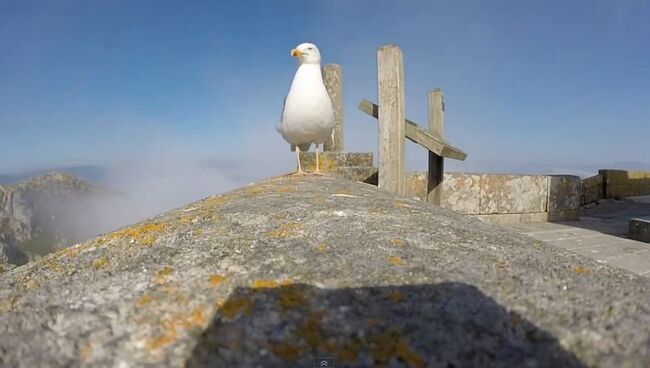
[
  {"x": 270, "y": 284},
  {"x": 284, "y": 230},
  {"x": 398, "y": 204},
  {"x": 290, "y": 297},
  {"x": 285, "y": 351},
  {"x": 196, "y": 318},
  {"x": 387, "y": 345},
  {"x": 143, "y": 234},
  {"x": 349, "y": 353},
  {"x": 580, "y": 270},
  {"x": 397, "y": 242},
  {"x": 100, "y": 262},
  {"x": 161, "y": 275},
  {"x": 162, "y": 340},
  {"x": 395, "y": 296},
  {"x": 216, "y": 280},
  {"x": 397, "y": 261},
  {"x": 231, "y": 308},
  {"x": 144, "y": 300},
  {"x": 321, "y": 248}
]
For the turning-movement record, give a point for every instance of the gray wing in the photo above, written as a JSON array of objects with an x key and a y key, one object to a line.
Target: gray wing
[{"x": 277, "y": 127}]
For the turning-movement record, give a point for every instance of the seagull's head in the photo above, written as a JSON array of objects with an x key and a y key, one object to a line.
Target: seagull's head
[{"x": 307, "y": 53}]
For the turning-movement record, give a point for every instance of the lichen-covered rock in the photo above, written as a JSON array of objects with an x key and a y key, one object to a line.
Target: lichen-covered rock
[{"x": 294, "y": 268}]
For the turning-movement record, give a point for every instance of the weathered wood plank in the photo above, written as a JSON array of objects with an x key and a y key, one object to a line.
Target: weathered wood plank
[
  {"x": 435, "y": 173},
  {"x": 417, "y": 135},
  {"x": 390, "y": 80},
  {"x": 333, "y": 79}
]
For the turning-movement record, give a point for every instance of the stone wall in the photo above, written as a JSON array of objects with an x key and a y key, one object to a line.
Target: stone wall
[
  {"x": 505, "y": 198},
  {"x": 622, "y": 184},
  {"x": 591, "y": 189}
]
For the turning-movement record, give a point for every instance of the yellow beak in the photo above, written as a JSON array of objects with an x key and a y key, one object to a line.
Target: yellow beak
[{"x": 296, "y": 53}]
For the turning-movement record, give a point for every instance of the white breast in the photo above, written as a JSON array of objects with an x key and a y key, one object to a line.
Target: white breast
[{"x": 308, "y": 116}]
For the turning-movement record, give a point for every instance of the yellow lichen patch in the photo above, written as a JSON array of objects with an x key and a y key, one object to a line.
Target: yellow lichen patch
[
  {"x": 231, "y": 308},
  {"x": 100, "y": 262},
  {"x": 284, "y": 230},
  {"x": 285, "y": 351},
  {"x": 162, "y": 274},
  {"x": 395, "y": 296},
  {"x": 291, "y": 297},
  {"x": 321, "y": 248},
  {"x": 185, "y": 219},
  {"x": 198, "y": 232},
  {"x": 144, "y": 234},
  {"x": 397, "y": 242},
  {"x": 388, "y": 345},
  {"x": 162, "y": 340},
  {"x": 165, "y": 271},
  {"x": 144, "y": 300},
  {"x": 580, "y": 270},
  {"x": 270, "y": 284},
  {"x": 8, "y": 305},
  {"x": 71, "y": 251},
  {"x": 398, "y": 204},
  {"x": 216, "y": 280},
  {"x": 31, "y": 284},
  {"x": 395, "y": 260},
  {"x": 404, "y": 352},
  {"x": 215, "y": 201}
]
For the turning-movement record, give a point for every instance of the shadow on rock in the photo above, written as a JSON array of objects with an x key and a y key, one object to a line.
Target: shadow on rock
[{"x": 447, "y": 324}]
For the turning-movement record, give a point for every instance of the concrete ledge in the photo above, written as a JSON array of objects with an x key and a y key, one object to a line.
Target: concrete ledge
[
  {"x": 332, "y": 160},
  {"x": 640, "y": 229}
]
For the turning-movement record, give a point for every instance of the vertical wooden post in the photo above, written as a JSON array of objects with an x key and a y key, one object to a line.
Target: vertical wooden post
[
  {"x": 436, "y": 163},
  {"x": 390, "y": 78},
  {"x": 333, "y": 79}
]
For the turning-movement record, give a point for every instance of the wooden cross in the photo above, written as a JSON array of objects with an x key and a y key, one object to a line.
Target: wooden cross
[{"x": 394, "y": 127}]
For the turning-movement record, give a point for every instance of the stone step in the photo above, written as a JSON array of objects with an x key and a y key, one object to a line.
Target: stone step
[
  {"x": 330, "y": 160},
  {"x": 640, "y": 229}
]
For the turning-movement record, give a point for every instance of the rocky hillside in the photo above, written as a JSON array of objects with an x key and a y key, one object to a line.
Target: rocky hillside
[
  {"x": 294, "y": 268},
  {"x": 35, "y": 215}
]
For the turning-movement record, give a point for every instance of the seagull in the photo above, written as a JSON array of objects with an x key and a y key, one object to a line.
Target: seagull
[{"x": 307, "y": 115}]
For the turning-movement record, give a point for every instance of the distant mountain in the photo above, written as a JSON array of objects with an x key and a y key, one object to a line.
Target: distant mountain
[
  {"x": 93, "y": 174},
  {"x": 38, "y": 215}
]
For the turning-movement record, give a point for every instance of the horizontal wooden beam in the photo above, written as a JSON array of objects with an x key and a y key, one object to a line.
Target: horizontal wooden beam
[{"x": 418, "y": 135}]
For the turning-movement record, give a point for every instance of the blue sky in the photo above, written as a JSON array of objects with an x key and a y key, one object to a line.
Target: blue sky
[{"x": 555, "y": 84}]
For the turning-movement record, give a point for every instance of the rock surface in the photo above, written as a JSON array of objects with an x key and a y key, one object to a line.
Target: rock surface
[{"x": 294, "y": 268}]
